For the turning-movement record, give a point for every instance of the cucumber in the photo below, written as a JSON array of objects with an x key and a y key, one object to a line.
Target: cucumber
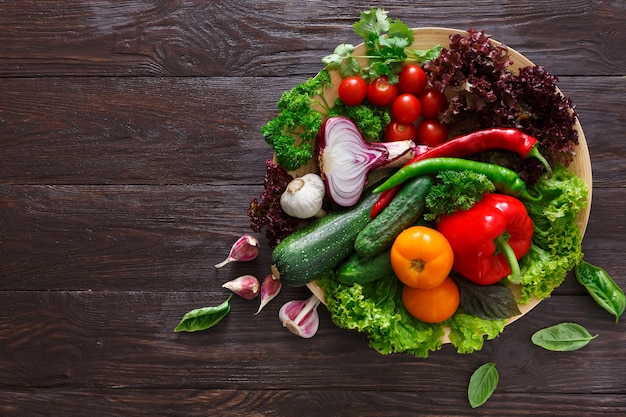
[
  {"x": 359, "y": 270},
  {"x": 403, "y": 211},
  {"x": 318, "y": 248}
]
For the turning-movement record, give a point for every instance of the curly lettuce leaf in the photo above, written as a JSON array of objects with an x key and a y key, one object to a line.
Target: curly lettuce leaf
[
  {"x": 557, "y": 241},
  {"x": 467, "y": 332},
  {"x": 375, "y": 309}
]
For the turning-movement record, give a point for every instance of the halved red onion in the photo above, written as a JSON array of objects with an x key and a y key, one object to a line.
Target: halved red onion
[{"x": 345, "y": 158}]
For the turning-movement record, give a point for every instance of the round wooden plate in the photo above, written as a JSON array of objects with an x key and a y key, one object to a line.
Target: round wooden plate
[{"x": 429, "y": 37}]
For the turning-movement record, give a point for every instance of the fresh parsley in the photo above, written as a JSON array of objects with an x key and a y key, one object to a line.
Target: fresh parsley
[
  {"x": 300, "y": 116},
  {"x": 386, "y": 44}
]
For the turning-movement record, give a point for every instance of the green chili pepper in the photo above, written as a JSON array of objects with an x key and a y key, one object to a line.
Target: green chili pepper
[
  {"x": 506, "y": 180},
  {"x": 602, "y": 288}
]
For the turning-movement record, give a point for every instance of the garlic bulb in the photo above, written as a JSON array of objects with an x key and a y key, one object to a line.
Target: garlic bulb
[{"x": 304, "y": 196}]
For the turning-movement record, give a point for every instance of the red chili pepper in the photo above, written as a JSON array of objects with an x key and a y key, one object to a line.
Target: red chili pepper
[
  {"x": 383, "y": 201},
  {"x": 489, "y": 238},
  {"x": 508, "y": 139}
]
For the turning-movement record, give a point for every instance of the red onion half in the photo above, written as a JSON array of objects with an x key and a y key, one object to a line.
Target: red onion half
[{"x": 345, "y": 158}]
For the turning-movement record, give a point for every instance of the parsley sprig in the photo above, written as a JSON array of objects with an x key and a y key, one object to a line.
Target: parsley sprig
[
  {"x": 386, "y": 48},
  {"x": 301, "y": 112}
]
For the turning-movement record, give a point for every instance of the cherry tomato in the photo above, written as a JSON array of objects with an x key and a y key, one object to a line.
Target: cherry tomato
[
  {"x": 399, "y": 131},
  {"x": 352, "y": 90},
  {"x": 406, "y": 108},
  {"x": 412, "y": 79},
  {"x": 433, "y": 305},
  {"x": 380, "y": 93},
  {"x": 421, "y": 257},
  {"x": 431, "y": 133},
  {"x": 433, "y": 102}
]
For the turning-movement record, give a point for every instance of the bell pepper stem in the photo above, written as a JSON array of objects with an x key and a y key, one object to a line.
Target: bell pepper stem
[{"x": 503, "y": 246}]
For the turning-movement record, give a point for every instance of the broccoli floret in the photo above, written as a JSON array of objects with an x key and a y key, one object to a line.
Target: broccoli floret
[
  {"x": 456, "y": 190},
  {"x": 301, "y": 111}
]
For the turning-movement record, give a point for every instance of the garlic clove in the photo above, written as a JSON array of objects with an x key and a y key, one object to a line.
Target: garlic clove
[
  {"x": 269, "y": 289},
  {"x": 245, "y": 286},
  {"x": 300, "y": 316},
  {"x": 246, "y": 248}
]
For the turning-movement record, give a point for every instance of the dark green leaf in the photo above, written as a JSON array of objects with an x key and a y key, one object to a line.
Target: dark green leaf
[
  {"x": 602, "y": 288},
  {"x": 562, "y": 337},
  {"x": 203, "y": 318},
  {"x": 491, "y": 302},
  {"x": 482, "y": 384}
]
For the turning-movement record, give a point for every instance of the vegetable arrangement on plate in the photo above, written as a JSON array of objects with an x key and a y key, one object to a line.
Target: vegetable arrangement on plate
[
  {"x": 424, "y": 193},
  {"x": 453, "y": 187}
]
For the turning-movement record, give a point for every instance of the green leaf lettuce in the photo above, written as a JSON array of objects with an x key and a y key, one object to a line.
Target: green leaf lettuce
[{"x": 557, "y": 241}]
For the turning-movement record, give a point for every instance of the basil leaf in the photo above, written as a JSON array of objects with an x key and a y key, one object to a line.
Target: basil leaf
[
  {"x": 491, "y": 302},
  {"x": 482, "y": 384},
  {"x": 203, "y": 318},
  {"x": 562, "y": 337},
  {"x": 602, "y": 288}
]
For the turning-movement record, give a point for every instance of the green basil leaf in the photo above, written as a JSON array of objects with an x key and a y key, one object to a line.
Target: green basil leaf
[
  {"x": 482, "y": 384},
  {"x": 490, "y": 302},
  {"x": 562, "y": 337},
  {"x": 606, "y": 293},
  {"x": 203, "y": 318}
]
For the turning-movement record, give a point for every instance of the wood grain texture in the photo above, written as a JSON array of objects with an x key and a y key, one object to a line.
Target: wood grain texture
[
  {"x": 244, "y": 38},
  {"x": 112, "y": 339},
  {"x": 130, "y": 148},
  {"x": 289, "y": 403}
]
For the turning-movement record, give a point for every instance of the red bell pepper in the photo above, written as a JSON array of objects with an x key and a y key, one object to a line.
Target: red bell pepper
[{"x": 489, "y": 238}]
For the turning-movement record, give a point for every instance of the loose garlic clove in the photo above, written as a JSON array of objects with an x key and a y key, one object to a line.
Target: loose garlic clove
[
  {"x": 300, "y": 316},
  {"x": 269, "y": 289},
  {"x": 245, "y": 286},
  {"x": 246, "y": 248},
  {"x": 304, "y": 197}
]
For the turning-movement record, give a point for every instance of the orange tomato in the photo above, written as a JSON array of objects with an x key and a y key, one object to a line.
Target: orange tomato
[
  {"x": 433, "y": 305},
  {"x": 421, "y": 257}
]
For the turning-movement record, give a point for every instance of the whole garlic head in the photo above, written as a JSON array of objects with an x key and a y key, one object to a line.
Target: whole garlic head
[{"x": 304, "y": 196}]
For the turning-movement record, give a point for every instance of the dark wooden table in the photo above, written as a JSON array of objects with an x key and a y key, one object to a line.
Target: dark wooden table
[{"x": 130, "y": 148}]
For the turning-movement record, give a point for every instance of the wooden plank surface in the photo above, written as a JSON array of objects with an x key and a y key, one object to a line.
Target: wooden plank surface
[{"x": 130, "y": 148}]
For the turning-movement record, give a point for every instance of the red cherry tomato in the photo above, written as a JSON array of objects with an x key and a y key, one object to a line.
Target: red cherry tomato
[
  {"x": 433, "y": 102},
  {"x": 406, "y": 108},
  {"x": 412, "y": 79},
  {"x": 431, "y": 133},
  {"x": 396, "y": 131},
  {"x": 352, "y": 90},
  {"x": 380, "y": 93}
]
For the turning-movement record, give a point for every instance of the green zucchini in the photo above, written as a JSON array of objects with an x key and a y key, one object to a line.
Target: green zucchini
[
  {"x": 359, "y": 270},
  {"x": 318, "y": 248},
  {"x": 403, "y": 211}
]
